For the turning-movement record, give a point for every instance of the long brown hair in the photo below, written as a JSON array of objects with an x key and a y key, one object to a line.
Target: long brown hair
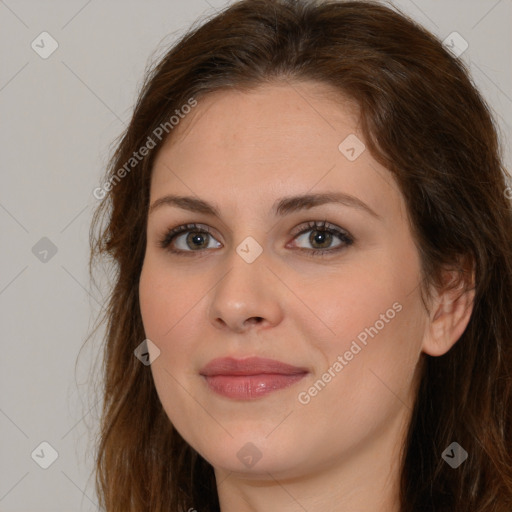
[{"x": 424, "y": 120}]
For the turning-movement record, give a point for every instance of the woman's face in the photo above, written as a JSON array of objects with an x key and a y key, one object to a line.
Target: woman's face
[{"x": 339, "y": 303}]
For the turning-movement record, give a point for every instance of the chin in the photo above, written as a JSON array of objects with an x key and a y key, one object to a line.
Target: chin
[{"x": 255, "y": 455}]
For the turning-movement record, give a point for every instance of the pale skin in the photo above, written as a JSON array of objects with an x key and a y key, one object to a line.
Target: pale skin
[{"x": 243, "y": 153}]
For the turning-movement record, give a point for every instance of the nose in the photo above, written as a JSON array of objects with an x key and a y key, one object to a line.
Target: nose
[{"x": 247, "y": 295}]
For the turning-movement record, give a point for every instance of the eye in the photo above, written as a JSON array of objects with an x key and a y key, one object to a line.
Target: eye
[
  {"x": 321, "y": 237},
  {"x": 197, "y": 238}
]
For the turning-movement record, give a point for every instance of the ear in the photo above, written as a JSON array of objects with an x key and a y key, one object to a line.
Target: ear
[{"x": 450, "y": 314}]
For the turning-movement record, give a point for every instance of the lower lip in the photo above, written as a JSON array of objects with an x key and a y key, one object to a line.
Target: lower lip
[{"x": 247, "y": 387}]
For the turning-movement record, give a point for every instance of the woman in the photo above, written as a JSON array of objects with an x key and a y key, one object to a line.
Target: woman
[{"x": 312, "y": 242}]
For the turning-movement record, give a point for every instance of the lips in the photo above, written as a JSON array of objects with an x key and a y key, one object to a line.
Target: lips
[
  {"x": 249, "y": 378},
  {"x": 249, "y": 366}
]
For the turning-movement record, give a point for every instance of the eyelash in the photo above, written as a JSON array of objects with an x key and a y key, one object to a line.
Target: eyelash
[{"x": 323, "y": 226}]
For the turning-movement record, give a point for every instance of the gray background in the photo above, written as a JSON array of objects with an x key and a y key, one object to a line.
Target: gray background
[{"x": 58, "y": 118}]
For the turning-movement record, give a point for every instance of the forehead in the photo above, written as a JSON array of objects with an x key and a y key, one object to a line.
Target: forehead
[
  {"x": 274, "y": 140},
  {"x": 281, "y": 121}
]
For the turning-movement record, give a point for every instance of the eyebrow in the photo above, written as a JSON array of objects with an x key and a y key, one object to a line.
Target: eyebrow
[{"x": 281, "y": 207}]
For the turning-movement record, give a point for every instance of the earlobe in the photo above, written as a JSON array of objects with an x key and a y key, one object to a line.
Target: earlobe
[{"x": 449, "y": 318}]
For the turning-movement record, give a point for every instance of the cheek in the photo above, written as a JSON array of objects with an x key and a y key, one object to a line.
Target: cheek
[
  {"x": 172, "y": 311},
  {"x": 164, "y": 301},
  {"x": 376, "y": 324},
  {"x": 347, "y": 305},
  {"x": 167, "y": 310},
  {"x": 369, "y": 368},
  {"x": 155, "y": 304}
]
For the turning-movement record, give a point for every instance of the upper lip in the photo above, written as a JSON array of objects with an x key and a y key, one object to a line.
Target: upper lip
[{"x": 249, "y": 366}]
